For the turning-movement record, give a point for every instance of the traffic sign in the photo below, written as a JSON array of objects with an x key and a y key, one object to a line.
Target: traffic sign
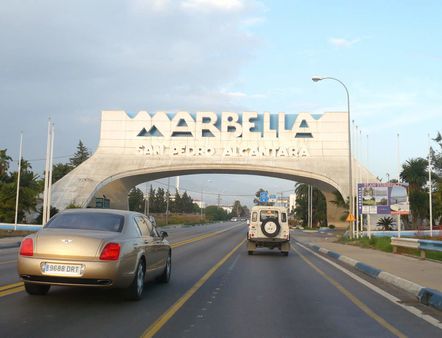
[
  {"x": 263, "y": 196},
  {"x": 350, "y": 218}
]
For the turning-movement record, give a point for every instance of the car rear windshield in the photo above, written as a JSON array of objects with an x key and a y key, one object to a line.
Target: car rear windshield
[
  {"x": 87, "y": 221},
  {"x": 265, "y": 214}
]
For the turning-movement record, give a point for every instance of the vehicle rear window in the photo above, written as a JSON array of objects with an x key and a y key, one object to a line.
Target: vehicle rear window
[
  {"x": 254, "y": 217},
  {"x": 265, "y": 214},
  {"x": 87, "y": 221}
]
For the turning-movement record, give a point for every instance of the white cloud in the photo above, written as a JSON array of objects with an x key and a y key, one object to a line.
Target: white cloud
[
  {"x": 213, "y": 5},
  {"x": 72, "y": 60},
  {"x": 154, "y": 5},
  {"x": 342, "y": 42}
]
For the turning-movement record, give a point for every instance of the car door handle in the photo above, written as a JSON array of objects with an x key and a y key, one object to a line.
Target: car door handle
[{"x": 146, "y": 241}]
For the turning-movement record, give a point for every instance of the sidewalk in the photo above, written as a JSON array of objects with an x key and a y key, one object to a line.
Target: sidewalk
[{"x": 422, "y": 278}]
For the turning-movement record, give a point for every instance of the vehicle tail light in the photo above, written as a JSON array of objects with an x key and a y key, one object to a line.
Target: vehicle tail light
[
  {"x": 27, "y": 247},
  {"x": 111, "y": 252}
]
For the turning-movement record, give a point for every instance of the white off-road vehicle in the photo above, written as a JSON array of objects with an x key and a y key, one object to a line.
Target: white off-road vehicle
[{"x": 268, "y": 228}]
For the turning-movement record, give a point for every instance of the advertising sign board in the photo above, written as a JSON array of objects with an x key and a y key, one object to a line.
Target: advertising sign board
[{"x": 383, "y": 198}]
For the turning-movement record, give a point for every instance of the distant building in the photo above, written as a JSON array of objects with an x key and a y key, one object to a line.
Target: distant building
[
  {"x": 228, "y": 209},
  {"x": 292, "y": 202},
  {"x": 287, "y": 202},
  {"x": 200, "y": 204}
]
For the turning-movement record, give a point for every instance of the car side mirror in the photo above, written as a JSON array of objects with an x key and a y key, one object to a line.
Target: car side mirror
[{"x": 164, "y": 234}]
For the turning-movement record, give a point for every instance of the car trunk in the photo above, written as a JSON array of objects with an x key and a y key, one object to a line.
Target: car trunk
[{"x": 71, "y": 244}]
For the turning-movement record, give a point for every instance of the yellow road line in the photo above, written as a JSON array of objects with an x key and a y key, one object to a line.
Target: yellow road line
[
  {"x": 8, "y": 262},
  {"x": 12, "y": 290},
  {"x": 164, "y": 318},
  {"x": 381, "y": 321},
  {"x": 10, "y": 286}
]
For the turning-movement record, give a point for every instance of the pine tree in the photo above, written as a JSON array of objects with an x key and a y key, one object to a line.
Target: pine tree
[
  {"x": 80, "y": 156},
  {"x": 187, "y": 203},
  {"x": 177, "y": 205},
  {"x": 136, "y": 200},
  {"x": 160, "y": 200},
  {"x": 152, "y": 200}
]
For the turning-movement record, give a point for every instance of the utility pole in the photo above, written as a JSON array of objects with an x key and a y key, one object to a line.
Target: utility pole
[
  {"x": 430, "y": 185},
  {"x": 48, "y": 174},
  {"x": 18, "y": 180},
  {"x": 398, "y": 219},
  {"x": 167, "y": 201}
]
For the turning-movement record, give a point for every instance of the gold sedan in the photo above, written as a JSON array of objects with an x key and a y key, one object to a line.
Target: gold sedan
[{"x": 95, "y": 248}]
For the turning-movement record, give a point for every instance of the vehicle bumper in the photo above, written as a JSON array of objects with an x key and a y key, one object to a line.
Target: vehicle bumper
[{"x": 95, "y": 274}]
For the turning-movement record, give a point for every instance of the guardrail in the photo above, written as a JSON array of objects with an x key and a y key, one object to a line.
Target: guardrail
[
  {"x": 420, "y": 244},
  {"x": 404, "y": 233},
  {"x": 25, "y": 227}
]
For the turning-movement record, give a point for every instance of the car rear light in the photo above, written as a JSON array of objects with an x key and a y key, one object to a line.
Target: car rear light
[
  {"x": 27, "y": 247},
  {"x": 111, "y": 252}
]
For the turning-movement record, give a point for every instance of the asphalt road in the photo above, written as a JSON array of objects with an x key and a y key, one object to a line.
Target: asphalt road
[{"x": 216, "y": 290}]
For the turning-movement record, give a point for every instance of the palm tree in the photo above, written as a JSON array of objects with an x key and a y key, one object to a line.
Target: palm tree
[
  {"x": 340, "y": 203},
  {"x": 386, "y": 222},
  {"x": 319, "y": 204},
  {"x": 4, "y": 162},
  {"x": 415, "y": 173}
]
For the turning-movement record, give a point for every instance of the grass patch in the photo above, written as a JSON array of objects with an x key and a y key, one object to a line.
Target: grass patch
[
  {"x": 378, "y": 243},
  {"x": 186, "y": 219},
  {"x": 384, "y": 244}
]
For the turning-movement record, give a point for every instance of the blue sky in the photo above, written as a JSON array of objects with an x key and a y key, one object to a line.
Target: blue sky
[{"x": 70, "y": 60}]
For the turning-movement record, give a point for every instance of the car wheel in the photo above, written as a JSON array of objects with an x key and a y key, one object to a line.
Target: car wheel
[
  {"x": 135, "y": 289},
  {"x": 165, "y": 276},
  {"x": 37, "y": 289},
  {"x": 285, "y": 253},
  {"x": 270, "y": 227},
  {"x": 250, "y": 253}
]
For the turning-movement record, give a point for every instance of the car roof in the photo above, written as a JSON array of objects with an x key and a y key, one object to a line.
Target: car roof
[{"x": 104, "y": 211}]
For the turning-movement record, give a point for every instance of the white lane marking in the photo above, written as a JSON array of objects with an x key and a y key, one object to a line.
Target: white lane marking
[
  {"x": 232, "y": 266},
  {"x": 433, "y": 321}
]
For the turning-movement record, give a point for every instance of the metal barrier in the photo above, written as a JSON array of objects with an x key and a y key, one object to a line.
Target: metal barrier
[
  {"x": 404, "y": 233},
  {"x": 25, "y": 227},
  {"x": 419, "y": 244}
]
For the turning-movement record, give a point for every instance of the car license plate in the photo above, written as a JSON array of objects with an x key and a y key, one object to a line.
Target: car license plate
[{"x": 54, "y": 269}]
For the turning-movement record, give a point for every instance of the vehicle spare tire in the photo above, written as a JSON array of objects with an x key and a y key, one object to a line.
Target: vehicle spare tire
[{"x": 270, "y": 227}]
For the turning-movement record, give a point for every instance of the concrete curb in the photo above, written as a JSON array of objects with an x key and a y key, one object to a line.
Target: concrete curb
[{"x": 424, "y": 295}]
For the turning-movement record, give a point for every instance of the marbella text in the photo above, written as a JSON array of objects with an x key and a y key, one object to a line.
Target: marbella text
[{"x": 227, "y": 134}]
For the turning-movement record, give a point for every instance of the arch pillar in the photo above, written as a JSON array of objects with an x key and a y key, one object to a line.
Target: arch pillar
[
  {"x": 116, "y": 192},
  {"x": 334, "y": 212}
]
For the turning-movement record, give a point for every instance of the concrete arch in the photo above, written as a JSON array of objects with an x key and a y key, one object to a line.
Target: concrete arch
[
  {"x": 303, "y": 148},
  {"x": 127, "y": 180}
]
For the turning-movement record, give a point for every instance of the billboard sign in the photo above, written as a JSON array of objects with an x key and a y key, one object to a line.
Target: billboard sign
[
  {"x": 383, "y": 198},
  {"x": 272, "y": 198}
]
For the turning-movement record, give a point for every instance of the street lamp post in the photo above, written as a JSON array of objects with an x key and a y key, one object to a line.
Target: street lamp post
[{"x": 350, "y": 174}]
